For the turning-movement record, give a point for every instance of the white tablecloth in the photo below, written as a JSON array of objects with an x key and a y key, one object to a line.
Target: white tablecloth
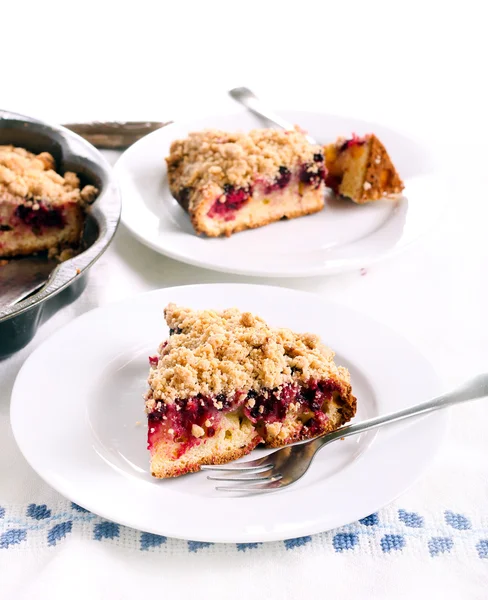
[{"x": 435, "y": 536}]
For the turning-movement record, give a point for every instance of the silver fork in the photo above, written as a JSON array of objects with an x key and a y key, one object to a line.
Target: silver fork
[
  {"x": 247, "y": 98},
  {"x": 287, "y": 465}
]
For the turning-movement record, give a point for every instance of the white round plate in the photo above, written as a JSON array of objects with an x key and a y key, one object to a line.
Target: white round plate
[
  {"x": 84, "y": 432},
  {"x": 341, "y": 237}
]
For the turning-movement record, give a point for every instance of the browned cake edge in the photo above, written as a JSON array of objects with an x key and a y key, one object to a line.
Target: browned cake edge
[
  {"x": 374, "y": 185},
  {"x": 193, "y": 467}
]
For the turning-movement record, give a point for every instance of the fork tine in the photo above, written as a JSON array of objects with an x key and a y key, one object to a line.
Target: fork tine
[
  {"x": 250, "y": 479},
  {"x": 238, "y": 467}
]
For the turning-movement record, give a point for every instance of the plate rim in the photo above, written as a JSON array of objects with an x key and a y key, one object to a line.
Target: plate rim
[
  {"x": 442, "y": 418},
  {"x": 329, "y": 267}
]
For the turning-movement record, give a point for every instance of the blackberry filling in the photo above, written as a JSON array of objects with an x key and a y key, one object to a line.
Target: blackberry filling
[
  {"x": 231, "y": 201},
  {"x": 184, "y": 197},
  {"x": 41, "y": 218},
  {"x": 272, "y": 405},
  {"x": 178, "y": 420},
  {"x": 333, "y": 182},
  {"x": 280, "y": 182},
  {"x": 312, "y": 178},
  {"x": 184, "y": 421}
]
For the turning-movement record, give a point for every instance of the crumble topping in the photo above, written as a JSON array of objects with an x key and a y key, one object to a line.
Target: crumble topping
[
  {"x": 197, "y": 431},
  {"x": 274, "y": 428},
  {"x": 32, "y": 177},
  {"x": 213, "y": 156},
  {"x": 212, "y": 353}
]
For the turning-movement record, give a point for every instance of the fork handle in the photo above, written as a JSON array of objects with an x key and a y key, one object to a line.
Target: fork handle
[
  {"x": 471, "y": 390},
  {"x": 247, "y": 98}
]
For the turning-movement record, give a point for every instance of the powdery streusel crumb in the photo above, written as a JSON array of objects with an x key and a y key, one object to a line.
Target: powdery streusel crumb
[
  {"x": 32, "y": 177},
  {"x": 237, "y": 158},
  {"x": 217, "y": 352}
]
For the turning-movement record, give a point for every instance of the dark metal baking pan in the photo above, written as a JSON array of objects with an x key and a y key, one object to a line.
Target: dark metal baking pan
[{"x": 19, "y": 321}]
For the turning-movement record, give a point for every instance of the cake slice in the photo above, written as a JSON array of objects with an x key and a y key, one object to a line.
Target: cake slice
[
  {"x": 360, "y": 169},
  {"x": 225, "y": 381},
  {"x": 39, "y": 209},
  {"x": 229, "y": 182}
]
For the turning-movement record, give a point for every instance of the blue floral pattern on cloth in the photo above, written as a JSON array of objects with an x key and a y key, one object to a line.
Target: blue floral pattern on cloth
[
  {"x": 12, "y": 536},
  {"x": 296, "y": 542},
  {"x": 38, "y": 512},
  {"x": 391, "y": 542},
  {"x": 456, "y": 520},
  {"x": 344, "y": 541},
  {"x": 58, "y": 532},
  {"x": 194, "y": 546},
  {"x": 410, "y": 519},
  {"x": 389, "y": 532},
  {"x": 438, "y": 545},
  {"x": 106, "y": 529},
  {"x": 482, "y": 548},
  {"x": 151, "y": 540},
  {"x": 370, "y": 521},
  {"x": 248, "y": 546}
]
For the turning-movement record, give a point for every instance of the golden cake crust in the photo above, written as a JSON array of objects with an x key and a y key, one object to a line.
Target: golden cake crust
[{"x": 381, "y": 178}]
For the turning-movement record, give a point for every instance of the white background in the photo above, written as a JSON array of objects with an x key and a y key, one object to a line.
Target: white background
[{"x": 417, "y": 66}]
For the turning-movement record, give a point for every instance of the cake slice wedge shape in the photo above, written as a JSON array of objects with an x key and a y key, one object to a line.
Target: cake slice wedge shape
[
  {"x": 360, "y": 168},
  {"x": 224, "y": 382},
  {"x": 229, "y": 182}
]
